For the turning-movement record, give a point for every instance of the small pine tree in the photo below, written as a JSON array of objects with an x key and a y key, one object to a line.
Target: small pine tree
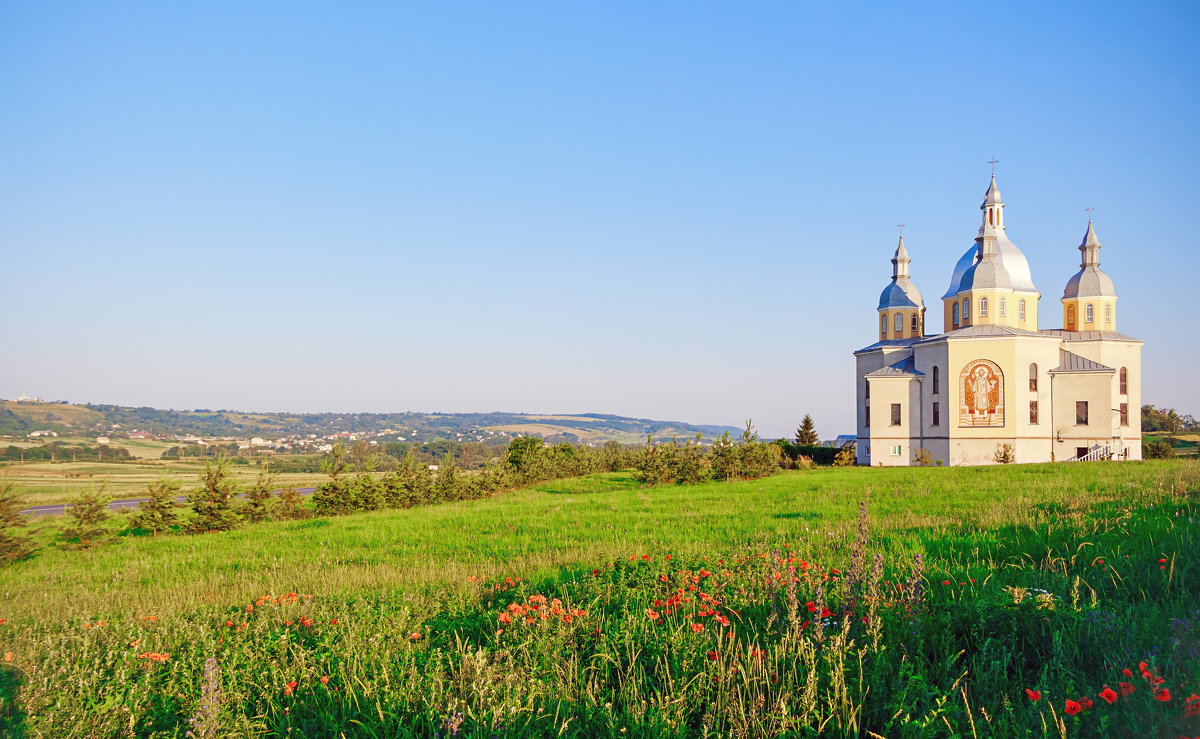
[
  {"x": 845, "y": 456},
  {"x": 213, "y": 501},
  {"x": 14, "y": 545},
  {"x": 448, "y": 486},
  {"x": 806, "y": 435},
  {"x": 724, "y": 458},
  {"x": 291, "y": 504},
  {"x": 335, "y": 497},
  {"x": 257, "y": 507},
  {"x": 157, "y": 512},
  {"x": 86, "y": 516}
]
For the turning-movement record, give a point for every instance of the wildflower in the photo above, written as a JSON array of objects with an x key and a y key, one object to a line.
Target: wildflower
[
  {"x": 1128, "y": 672},
  {"x": 721, "y": 619},
  {"x": 287, "y": 689},
  {"x": 504, "y": 618},
  {"x": 712, "y": 655},
  {"x": 945, "y": 582},
  {"x": 1191, "y": 707},
  {"x": 1162, "y": 694},
  {"x": 1126, "y": 688},
  {"x": 1109, "y": 695},
  {"x": 697, "y": 628},
  {"x": 229, "y": 624},
  {"x": 135, "y": 642},
  {"x": 663, "y": 578},
  {"x": 1086, "y": 702},
  {"x": 1071, "y": 708},
  {"x": 324, "y": 679},
  {"x": 1034, "y": 695},
  {"x": 417, "y": 635},
  {"x": 334, "y": 622},
  {"x": 8, "y": 656}
]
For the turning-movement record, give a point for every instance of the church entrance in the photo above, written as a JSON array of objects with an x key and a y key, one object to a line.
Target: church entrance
[{"x": 1080, "y": 451}]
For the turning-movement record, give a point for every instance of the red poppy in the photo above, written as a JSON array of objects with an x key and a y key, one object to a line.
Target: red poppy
[
  {"x": 697, "y": 628},
  {"x": 1162, "y": 694},
  {"x": 712, "y": 656},
  {"x": 1192, "y": 707},
  {"x": 1128, "y": 672},
  {"x": 1034, "y": 695},
  {"x": 945, "y": 582},
  {"x": 324, "y": 679},
  {"x": 1086, "y": 702},
  {"x": 1126, "y": 688},
  {"x": 287, "y": 689},
  {"x": 1072, "y": 708}
]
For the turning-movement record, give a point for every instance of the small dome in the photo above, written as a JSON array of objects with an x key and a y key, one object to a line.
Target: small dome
[
  {"x": 1090, "y": 281},
  {"x": 901, "y": 293}
]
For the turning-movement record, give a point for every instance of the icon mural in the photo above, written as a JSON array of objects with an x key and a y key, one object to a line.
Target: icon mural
[{"x": 981, "y": 394}]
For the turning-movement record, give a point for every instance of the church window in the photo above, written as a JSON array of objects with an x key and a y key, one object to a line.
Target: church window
[
  {"x": 983, "y": 307},
  {"x": 955, "y": 311},
  {"x": 1033, "y": 378},
  {"x": 1020, "y": 310},
  {"x": 895, "y": 414},
  {"x": 1081, "y": 413},
  {"x": 899, "y": 324},
  {"x": 1003, "y": 307},
  {"x": 937, "y": 380},
  {"x": 1070, "y": 317},
  {"x": 1088, "y": 313},
  {"x": 914, "y": 324},
  {"x": 1124, "y": 381},
  {"x": 1108, "y": 314},
  {"x": 1033, "y": 418},
  {"x": 966, "y": 310},
  {"x": 883, "y": 324},
  {"x": 1124, "y": 414},
  {"x": 937, "y": 414}
]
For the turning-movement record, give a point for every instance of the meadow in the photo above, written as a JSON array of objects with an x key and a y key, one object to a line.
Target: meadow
[{"x": 1032, "y": 600}]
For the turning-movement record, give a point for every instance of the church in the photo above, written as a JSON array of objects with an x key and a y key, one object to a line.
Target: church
[{"x": 993, "y": 386}]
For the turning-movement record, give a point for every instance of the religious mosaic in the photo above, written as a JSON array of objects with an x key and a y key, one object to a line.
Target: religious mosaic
[{"x": 981, "y": 394}]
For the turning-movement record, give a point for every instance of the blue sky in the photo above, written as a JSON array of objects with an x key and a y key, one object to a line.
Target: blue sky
[{"x": 672, "y": 210}]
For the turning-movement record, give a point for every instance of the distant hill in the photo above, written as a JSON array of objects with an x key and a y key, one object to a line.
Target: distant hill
[{"x": 21, "y": 418}]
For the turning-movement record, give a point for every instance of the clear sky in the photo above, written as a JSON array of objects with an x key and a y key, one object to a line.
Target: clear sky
[{"x": 675, "y": 210}]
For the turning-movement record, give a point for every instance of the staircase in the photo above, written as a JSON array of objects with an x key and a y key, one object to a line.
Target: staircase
[{"x": 1096, "y": 453}]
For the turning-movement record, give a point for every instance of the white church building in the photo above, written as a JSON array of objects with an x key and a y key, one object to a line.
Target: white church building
[{"x": 994, "y": 385}]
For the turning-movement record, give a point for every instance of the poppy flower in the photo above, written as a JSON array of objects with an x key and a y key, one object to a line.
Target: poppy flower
[
  {"x": 1034, "y": 695},
  {"x": 1126, "y": 688},
  {"x": 1071, "y": 708},
  {"x": 1128, "y": 672},
  {"x": 1162, "y": 694},
  {"x": 697, "y": 628},
  {"x": 651, "y": 614},
  {"x": 1191, "y": 708},
  {"x": 287, "y": 689},
  {"x": 1086, "y": 702},
  {"x": 712, "y": 656}
]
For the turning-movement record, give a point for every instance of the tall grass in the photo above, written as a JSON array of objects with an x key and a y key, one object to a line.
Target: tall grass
[{"x": 1042, "y": 577}]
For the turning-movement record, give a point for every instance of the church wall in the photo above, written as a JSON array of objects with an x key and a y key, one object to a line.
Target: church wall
[
  {"x": 1032, "y": 440},
  {"x": 1097, "y": 323},
  {"x": 1118, "y": 354},
  {"x": 1031, "y": 311},
  {"x": 1070, "y": 387},
  {"x": 892, "y": 446}
]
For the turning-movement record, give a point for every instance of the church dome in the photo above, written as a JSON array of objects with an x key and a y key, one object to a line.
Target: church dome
[
  {"x": 1007, "y": 253},
  {"x": 901, "y": 292},
  {"x": 1090, "y": 281}
]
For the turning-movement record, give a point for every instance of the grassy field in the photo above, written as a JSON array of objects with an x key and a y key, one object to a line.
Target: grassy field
[
  {"x": 46, "y": 483},
  {"x": 595, "y": 607}
]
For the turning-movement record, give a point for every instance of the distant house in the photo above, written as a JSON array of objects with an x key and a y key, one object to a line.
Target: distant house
[
  {"x": 136, "y": 434},
  {"x": 102, "y": 440},
  {"x": 258, "y": 441},
  {"x": 47, "y": 432}
]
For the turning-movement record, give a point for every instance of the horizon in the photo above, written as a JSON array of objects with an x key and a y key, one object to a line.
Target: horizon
[{"x": 663, "y": 212}]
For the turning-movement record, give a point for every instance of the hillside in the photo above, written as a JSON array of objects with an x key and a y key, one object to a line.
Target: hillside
[{"x": 22, "y": 418}]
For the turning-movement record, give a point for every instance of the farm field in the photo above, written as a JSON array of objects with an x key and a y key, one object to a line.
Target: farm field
[
  {"x": 46, "y": 483},
  {"x": 1000, "y": 601}
]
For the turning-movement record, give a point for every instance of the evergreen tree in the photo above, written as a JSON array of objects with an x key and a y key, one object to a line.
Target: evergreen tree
[
  {"x": 14, "y": 545},
  {"x": 85, "y": 519},
  {"x": 334, "y": 497},
  {"x": 291, "y": 504},
  {"x": 157, "y": 512},
  {"x": 724, "y": 458},
  {"x": 806, "y": 435},
  {"x": 258, "y": 498},
  {"x": 213, "y": 501},
  {"x": 448, "y": 486}
]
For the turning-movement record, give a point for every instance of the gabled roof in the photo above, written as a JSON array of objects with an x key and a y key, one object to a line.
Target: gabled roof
[
  {"x": 1086, "y": 335},
  {"x": 904, "y": 368},
  {"x": 889, "y": 344},
  {"x": 1070, "y": 362},
  {"x": 983, "y": 330}
]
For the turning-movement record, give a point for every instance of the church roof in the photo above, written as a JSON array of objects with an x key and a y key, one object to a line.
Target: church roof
[
  {"x": 987, "y": 330},
  {"x": 1086, "y": 335},
  {"x": 904, "y": 368},
  {"x": 900, "y": 292},
  {"x": 889, "y": 344},
  {"x": 1070, "y": 362},
  {"x": 1007, "y": 254},
  {"x": 1090, "y": 281}
]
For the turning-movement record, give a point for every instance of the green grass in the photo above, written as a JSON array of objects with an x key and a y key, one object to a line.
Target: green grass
[{"x": 956, "y": 660}]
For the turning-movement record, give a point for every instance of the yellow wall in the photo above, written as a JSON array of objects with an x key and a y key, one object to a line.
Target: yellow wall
[
  {"x": 1081, "y": 323},
  {"x": 906, "y": 331}
]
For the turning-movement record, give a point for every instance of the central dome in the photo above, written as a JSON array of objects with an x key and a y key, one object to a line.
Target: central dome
[{"x": 1007, "y": 254}]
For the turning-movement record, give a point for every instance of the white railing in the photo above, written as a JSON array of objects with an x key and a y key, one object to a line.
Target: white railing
[{"x": 1096, "y": 453}]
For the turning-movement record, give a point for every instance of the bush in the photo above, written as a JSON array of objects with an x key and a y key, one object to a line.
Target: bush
[
  {"x": 845, "y": 456},
  {"x": 1157, "y": 449},
  {"x": 1004, "y": 454},
  {"x": 213, "y": 501},
  {"x": 157, "y": 512},
  {"x": 14, "y": 545},
  {"x": 86, "y": 516}
]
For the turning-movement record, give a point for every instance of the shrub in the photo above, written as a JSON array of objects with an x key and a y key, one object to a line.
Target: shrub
[
  {"x": 1004, "y": 454},
  {"x": 213, "y": 501},
  {"x": 923, "y": 458},
  {"x": 1157, "y": 449},
  {"x": 258, "y": 498},
  {"x": 845, "y": 456},
  {"x": 86, "y": 516},
  {"x": 14, "y": 545},
  {"x": 157, "y": 512}
]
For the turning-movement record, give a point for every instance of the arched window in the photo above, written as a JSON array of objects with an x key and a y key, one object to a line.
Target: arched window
[
  {"x": 1033, "y": 378},
  {"x": 937, "y": 380},
  {"x": 1020, "y": 310},
  {"x": 914, "y": 324},
  {"x": 955, "y": 312},
  {"x": 1108, "y": 314},
  {"x": 966, "y": 309},
  {"x": 1003, "y": 308},
  {"x": 1088, "y": 313},
  {"x": 983, "y": 307},
  {"x": 1070, "y": 317},
  {"x": 899, "y": 324},
  {"x": 1124, "y": 381},
  {"x": 883, "y": 324}
]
